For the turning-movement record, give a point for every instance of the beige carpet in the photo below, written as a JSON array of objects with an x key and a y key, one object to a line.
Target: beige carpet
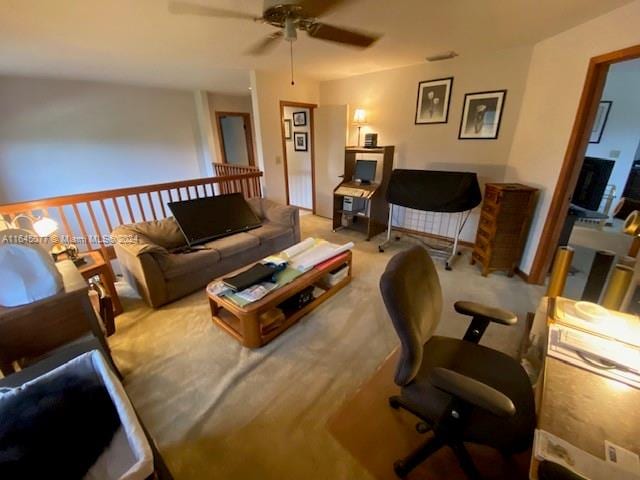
[{"x": 220, "y": 411}]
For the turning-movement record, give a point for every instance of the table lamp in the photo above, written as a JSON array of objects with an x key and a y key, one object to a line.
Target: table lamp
[
  {"x": 44, "y": 227},
  {"x": 359, "y": 119}
]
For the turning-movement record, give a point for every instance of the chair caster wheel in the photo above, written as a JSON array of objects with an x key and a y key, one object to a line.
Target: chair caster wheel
[
  {"x": 400, "y": 469},
  {"x": 381, "y": 250},
  {"x": 394, "y": 403},
  {"x": 422, "y": 427},
  {"x": 459, "y": 253},
  {"x": 397, "y": 237},
  {"x": 448, "y": 267}
]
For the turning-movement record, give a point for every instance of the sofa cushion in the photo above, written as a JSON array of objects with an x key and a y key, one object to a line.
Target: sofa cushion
[
  {"x": 166, "y": 233},
  {"x": 270, "y": 231},
  {"x": 233, "y": 244},
  {"x": 256, "y": 205},
  {"x": 177, "y": 264}
]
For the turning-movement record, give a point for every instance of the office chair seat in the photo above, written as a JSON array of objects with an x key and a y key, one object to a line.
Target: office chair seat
[
  {"x": 465, "y": 392},
  {"x": 491, "y": 367}
]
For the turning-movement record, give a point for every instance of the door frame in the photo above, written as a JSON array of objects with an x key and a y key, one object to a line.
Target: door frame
[
  {"x": 574, "y": 157},
  {"x": 246, "y": 118},
  {"x": 312, "y": 150}
]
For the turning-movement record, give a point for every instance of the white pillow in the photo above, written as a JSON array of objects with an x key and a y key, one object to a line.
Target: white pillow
[{"x": 27, "y": 271}]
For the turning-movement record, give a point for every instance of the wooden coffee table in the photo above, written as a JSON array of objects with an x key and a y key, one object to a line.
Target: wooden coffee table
[{"x": 243, "y": 323}]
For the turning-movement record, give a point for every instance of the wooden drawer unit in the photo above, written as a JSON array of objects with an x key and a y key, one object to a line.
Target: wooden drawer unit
[{"x": 503, "y": 226}]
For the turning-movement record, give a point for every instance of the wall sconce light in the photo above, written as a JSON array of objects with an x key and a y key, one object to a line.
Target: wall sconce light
[{"x": 359, "y": 119}]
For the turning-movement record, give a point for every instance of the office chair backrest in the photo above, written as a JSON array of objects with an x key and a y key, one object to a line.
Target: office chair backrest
[{"x": 411, "y": 292}]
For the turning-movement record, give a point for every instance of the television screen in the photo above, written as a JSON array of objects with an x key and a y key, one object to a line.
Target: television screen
[
  {"x": 592, "y": 182},
  {"x": 365, "y": 170},
  {"x": 208, "y": 218}
]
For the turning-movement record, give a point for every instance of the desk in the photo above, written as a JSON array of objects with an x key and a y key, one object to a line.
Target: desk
[{"x": 586, "y": 409}]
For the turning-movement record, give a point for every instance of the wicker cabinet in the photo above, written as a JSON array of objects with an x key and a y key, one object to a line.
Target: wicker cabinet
[{"x": 503, "y": 226}]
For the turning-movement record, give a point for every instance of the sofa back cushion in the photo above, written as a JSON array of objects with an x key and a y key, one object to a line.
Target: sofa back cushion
[{"x": 165, "y": 233}]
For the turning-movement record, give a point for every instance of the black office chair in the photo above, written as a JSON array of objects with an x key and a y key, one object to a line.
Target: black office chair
[{"x": 462, "y": 391}]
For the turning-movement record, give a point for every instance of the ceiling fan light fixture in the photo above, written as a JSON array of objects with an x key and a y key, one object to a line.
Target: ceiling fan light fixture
[
  {"x": 442, "y": 56},
  {"x": 290, "y": 33}
]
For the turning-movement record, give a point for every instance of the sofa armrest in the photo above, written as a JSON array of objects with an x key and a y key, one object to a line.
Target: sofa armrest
[
  {"x": 135, "y": 243},
  {"x": 281, "y": 214},
  {"x": 137, "y": 257}
]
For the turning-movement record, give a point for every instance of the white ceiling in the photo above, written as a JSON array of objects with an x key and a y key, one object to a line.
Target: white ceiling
[{"x": 138, "y": 41}]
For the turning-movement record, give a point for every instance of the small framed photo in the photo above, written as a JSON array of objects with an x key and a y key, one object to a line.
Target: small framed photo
[
  {"x": 434, "y": 98},
  {"x": 300, "y": 119},
  {"x": 287, "y": 129},
  {"x": 600, "y": 122},
  {"x": 481, "y": 115},
  {"x": 300, "y": 141}
]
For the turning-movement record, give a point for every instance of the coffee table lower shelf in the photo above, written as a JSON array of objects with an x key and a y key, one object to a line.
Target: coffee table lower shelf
[{"x": 244, "y": 323}]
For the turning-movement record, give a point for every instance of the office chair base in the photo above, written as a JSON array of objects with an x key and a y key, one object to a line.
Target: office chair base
[{"x": 403, "y": 467}]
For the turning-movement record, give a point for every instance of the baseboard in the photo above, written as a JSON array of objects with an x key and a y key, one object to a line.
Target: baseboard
[{"x": 522, "y": 275}]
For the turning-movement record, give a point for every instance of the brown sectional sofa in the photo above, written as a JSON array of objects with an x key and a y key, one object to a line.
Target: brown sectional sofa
[{"x": 160, "y": 275}]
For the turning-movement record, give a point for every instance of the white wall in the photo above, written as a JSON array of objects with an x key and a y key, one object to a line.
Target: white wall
[
  {"x": 268, "y": 89},
  {"x": 389, "y": 97},
  {"x": 299, "y": 163},
  {"x": 61, "y": 137},
  {"x": 554, "y": 85},
  {"x": 622, "y": 130},
  {"x": 228, "y": 103}
]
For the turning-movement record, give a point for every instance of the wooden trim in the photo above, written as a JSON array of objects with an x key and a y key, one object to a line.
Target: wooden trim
[
  {"x": 87, "y": 234},
  {"x": 312, "y": 150},
  {"x": 246, "y": 118},
  {"x": 522, "y": 275},
  {"x": 574, "y": 157}
]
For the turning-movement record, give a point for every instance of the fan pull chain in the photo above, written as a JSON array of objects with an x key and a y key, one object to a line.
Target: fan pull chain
[{"x": 291, "y": 56}]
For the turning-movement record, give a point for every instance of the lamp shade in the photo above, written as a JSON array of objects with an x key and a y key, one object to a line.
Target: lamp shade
[
  {"x": 360, "y": 116},
  {"x": 45, "y": 226}
]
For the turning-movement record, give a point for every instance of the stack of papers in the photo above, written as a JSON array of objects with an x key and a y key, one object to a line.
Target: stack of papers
[
  {"x": 547, "y": 446},
  {"x": 311, "y": 252}
]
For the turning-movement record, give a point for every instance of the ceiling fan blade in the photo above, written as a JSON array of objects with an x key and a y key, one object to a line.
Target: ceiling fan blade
[
  {"x": 265, "y": 45},
  {"x": 341, "y": 35},
  {"x": 186, "y": 8},
  {"x": 316, "y": 8}
]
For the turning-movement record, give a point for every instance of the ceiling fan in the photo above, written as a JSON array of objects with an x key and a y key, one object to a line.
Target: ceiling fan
[{"x": 288, "y": 16}]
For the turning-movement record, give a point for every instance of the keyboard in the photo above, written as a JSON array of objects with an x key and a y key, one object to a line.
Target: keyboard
[{"x": 350, "y": 192}]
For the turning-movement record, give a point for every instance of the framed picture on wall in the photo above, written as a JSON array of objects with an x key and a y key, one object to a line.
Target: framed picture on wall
[
  {"x": 300, "y": 119},
  {"x": 600, "y": 122},
  {"x": 481, "y": 115},
  {"x": 300, "y": 141},
  {"x": 432, "y": 104},
  {"x": 287, "y": 129}
]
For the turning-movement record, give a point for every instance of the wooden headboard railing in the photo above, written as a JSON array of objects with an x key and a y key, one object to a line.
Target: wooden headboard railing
[{"x": 87, "y": 219}]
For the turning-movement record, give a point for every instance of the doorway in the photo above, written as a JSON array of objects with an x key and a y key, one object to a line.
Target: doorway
[
  {"x": 298, "y": 147},
  {"x": 589, "y": 109},
  {"x": 236, "y": 140}
]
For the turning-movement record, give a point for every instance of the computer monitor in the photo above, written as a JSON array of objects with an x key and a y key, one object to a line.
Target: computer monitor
[{"x": 365, "y": 170}]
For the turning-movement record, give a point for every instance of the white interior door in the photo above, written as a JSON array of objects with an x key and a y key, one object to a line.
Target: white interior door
[{"x": 331, "y": 140}]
